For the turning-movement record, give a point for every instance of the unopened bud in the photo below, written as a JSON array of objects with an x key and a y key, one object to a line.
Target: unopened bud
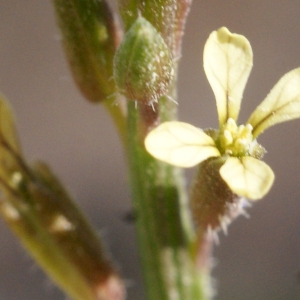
[{"x": 143, "y": 65}]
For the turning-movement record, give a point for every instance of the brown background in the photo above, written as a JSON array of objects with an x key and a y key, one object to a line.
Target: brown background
[{"x": 260, "y": 259}]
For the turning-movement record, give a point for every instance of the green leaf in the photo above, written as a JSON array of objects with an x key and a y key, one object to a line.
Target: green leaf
[
  {"x": 9, "y": 143},
  {"x": 49, "y": 224},
  {"x": 281, "y": 105},
  {"x": 57, "y": 235}
]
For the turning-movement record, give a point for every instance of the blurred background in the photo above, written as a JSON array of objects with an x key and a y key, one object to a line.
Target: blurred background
[{"x": 260, "y": 257}]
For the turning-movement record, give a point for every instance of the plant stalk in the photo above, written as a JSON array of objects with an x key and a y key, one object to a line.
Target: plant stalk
[{"x": 163, "y": 222}]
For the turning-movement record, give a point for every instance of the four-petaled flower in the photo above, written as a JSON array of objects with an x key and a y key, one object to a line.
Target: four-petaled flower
[{"x": 227, "y": 64}]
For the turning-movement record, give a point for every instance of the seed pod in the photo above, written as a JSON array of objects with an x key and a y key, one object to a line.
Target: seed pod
[
  {"x": 90, "y": 35},
  {"x": 213, "y": 204},
  {"x": 143, "y": 65}
]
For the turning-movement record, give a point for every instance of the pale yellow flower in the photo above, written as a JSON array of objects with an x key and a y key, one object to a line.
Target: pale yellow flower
[{"x": 227, "y": 63}]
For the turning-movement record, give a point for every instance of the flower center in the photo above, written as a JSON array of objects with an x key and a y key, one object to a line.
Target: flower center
[{"x": 235, "y": 140}]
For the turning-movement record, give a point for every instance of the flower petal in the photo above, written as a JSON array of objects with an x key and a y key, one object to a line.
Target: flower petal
[
  {"x": 227, "y": 64},
  {"x": 282, "y": 104},
  {"x": 180, "y": 144},
  {"x": 247, "y": 176}
]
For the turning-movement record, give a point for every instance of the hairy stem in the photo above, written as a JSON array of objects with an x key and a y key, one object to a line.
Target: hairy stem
[{"x": 164, "y": 229}]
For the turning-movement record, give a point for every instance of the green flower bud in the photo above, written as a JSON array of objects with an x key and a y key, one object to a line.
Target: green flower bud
[{"x": 143, "y": 65}]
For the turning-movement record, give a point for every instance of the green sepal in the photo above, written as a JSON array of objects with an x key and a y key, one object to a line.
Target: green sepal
[{"x": 212, "y": 203}]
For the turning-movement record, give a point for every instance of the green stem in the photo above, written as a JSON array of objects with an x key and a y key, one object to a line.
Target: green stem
[
  {"x": 164, "y": 229},
  {"x": 163, "y": 222},
  {"x": 117, "y": 110}
]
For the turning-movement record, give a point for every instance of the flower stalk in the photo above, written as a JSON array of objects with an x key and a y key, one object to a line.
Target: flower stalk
[{"x": 163, "y": 222}]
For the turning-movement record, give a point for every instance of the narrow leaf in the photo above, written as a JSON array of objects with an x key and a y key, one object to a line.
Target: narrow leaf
[
  {"x": 227, "y": 64},
  {"x": 9, "y": 144},
  {"x": 247, "y": 176},
  {"x": 281, "y": 105},
  {"x": 180, "y": 144},
  {"x": 7, "y": 126},
  {"x": 57, "y": 235},
  {"x": 46, "y": 220}
]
